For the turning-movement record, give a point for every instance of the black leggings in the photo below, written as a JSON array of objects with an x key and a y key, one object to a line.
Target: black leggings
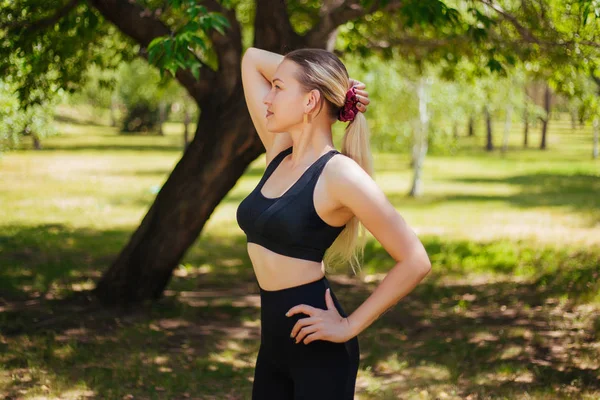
[{"x": 286, "y": 370}]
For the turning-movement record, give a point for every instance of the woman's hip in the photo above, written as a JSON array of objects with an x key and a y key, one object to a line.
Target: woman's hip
[{"x": 276, "y": 327}]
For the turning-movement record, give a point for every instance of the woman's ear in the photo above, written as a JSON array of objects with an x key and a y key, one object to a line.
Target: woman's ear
[{"x": 313, "y": 100}]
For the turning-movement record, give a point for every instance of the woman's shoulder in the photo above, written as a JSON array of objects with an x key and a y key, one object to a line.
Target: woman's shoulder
[
  {"x": 341, "y": 162},
  {"x": 343, "y": 170}
]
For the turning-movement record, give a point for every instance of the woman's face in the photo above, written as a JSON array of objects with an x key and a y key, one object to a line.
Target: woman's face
[{"x": 285, "y": 100}]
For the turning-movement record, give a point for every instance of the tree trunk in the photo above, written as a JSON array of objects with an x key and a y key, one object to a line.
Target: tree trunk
[
  {"x": 37, "y": 144},
  {"x": 526, "y": 125},
  {"x": 186, "y": 124},
  {"x": 546, "y": 120},
  {"x": 507, "y": 125},
  {"x": 113, "y": 110},
  {"x": 162, "y": 116},
  {"x": 489, "y": 146},
  {"x": 421, "y": 137},
  {"x": 595, "y": 124},
  {"x": 471, "y": 126},
  {"x": 209, "y": 168},
  {"x": 207, "y": 171}
]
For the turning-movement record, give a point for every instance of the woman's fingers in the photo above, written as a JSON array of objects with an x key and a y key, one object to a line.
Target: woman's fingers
[
  {"x": 302, "y": 308},
  {"x": 362, "y": 93},
  {"x": 302, "y": 323},
  {"x": 363, "y": 97},
  {"x": 315, "y": 336},
  {"x": 305, "y": 331},
  {"x": 362, "y": 103}
]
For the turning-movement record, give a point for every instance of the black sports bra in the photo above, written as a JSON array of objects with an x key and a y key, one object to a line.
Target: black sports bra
[{"x": 288, "y": 224}]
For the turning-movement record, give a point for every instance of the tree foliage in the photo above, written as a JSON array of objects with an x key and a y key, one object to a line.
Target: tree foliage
[
  {"x": 16, "y": 122},
  {"x": 47, "y": 45}
]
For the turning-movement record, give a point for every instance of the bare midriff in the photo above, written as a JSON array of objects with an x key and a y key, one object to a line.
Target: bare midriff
[{"x": 276, "y": 271}]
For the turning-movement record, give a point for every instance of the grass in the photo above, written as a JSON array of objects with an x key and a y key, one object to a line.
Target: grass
[{"x": 509, "y": 311}]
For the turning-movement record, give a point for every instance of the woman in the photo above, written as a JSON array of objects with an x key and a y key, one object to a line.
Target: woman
[{"x": 310, "y": 196}]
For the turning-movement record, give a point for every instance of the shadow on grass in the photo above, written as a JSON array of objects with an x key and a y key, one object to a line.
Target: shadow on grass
[
  {"x": 577, "y": 192},
  {"x": 67, "y": 119},
  {"x": 33, "y": 260},
  {"x": 496, "y": 318},
  {"x": 125, "y": 146},
  {"x": 180, "y": 344}
]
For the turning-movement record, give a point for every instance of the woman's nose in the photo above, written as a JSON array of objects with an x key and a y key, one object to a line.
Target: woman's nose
[{"x": 267, "y": 98}]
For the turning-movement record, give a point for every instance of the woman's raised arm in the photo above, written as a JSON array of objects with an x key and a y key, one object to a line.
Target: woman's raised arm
[{"x": 258, "y": 68}]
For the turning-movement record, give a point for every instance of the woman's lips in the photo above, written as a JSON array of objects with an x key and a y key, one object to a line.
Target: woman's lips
[{"x": 269, "y": 114}]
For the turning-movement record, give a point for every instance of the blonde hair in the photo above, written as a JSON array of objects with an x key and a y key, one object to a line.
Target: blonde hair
[{"x": 325, "y": 72}]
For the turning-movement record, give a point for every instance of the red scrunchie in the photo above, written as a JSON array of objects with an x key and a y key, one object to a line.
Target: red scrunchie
[{"x": 349, "y": 111}]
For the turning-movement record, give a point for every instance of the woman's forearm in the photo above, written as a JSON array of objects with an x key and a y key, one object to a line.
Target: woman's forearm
[
  {"x": 264, "y": 61},
  {"x": 399, "y": 281}
]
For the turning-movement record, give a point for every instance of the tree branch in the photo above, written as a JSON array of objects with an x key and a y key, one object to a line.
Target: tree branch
[
  {"x": 523, "y": 31},
  {"x": 413, "y": 41},
  {"x": 334, "y": 13},
  {"x": 131, "y": 19},
  {"x": 423, "y": 45}
]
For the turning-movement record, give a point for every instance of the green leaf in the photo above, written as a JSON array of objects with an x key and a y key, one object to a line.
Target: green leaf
[
  {"x": 156, "y": 42},
  {"x": 168, "y": 46},
  {"x": 221, "y": 19},
  {"x": 193, "y": 12},
  {"x": 494, "y": 65},
  {"x": 172, "y": 68},
  {"x": 195, "y": 68},
  {"x": 198, "y": 40}
]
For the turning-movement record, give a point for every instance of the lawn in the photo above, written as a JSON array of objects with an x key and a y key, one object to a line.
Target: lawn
[{"x": 510, "y": 310}]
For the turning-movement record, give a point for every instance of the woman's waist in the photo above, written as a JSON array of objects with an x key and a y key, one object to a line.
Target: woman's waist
[{"x": 276, "y": 272}]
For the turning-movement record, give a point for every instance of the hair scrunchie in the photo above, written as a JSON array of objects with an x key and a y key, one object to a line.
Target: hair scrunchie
[{"x": 349, "y": 111}]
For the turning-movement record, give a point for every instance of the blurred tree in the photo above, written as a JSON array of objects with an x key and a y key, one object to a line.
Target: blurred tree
[
  {"x": 98, "y": 88},
  {"x": 17, "y": 122},
  {"x": 146, "y": 96},
  {"x": 581, "y": 88}
]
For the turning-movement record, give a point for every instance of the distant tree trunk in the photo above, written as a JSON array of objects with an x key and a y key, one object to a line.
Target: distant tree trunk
[
  {"x": 507, "y": 125},
  {"x": 421, "y": 137},
  {"x": 455, "y": 130},
  {"x": 526, "y": 127},
  {"x": 545, "y": 120},
  {"x": 113, "y": 108},
  {"x": 489, "y": 146},
  {"x": 573, "y": 114},
  {"x": 526, "y": 120},
  {"x": 186, "y": 123},
  {"x": 37, "y": 144},
  {"x": 595, "y": 131},
  {"x": 471, "y": 126},
  {"x": 162, "y": 116}
]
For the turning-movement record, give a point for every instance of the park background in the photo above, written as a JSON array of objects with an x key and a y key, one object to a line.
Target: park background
[{"x": 484, "y": 119}]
